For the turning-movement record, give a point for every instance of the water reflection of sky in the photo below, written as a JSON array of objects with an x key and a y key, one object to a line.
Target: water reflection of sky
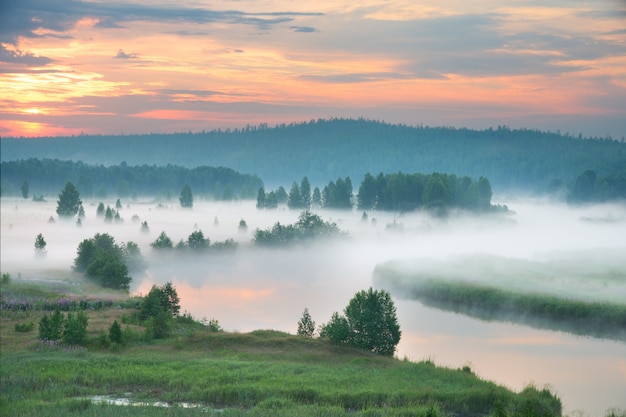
[{"x": 270, "y": 289}]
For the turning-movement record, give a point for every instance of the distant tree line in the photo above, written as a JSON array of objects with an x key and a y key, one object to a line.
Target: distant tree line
[
  {"x": 521, "y": 159},
  {"x": 391, "y": 192},
  {"x": 591, "y": 187},
  {"x": 436, "y": 191},
  {"x": 48, "y": 175},
  {"x": 271, "y": 199}
]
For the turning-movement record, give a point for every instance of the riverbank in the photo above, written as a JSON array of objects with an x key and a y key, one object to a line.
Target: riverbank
[
  {"x": 491, "y": 300},
  {"x": 202, "y": 372}
]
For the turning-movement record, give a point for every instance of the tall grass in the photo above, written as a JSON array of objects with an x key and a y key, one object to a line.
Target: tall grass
[{"x": 259, "y": 373}]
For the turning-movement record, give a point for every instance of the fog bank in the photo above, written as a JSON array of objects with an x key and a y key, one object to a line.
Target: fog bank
[{"x": 571, "y": 251}]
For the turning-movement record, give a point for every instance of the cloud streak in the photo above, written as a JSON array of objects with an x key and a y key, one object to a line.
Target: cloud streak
[{"x": 522, "y": 64}]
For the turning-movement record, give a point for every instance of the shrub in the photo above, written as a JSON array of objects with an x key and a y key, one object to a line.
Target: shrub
[
  {"x": 161, "y": 325},
  {"x": 115, "y": 333},
  {"x": 51, "y": 326},
  {"x": 103, "y": 341},
  {"x": 24, "y": 327},
  {"x": 75, "y": 331},
  {"x": 211, "y": 325}
]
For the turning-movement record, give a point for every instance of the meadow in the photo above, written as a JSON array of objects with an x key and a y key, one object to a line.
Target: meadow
[{"x": 202, "y": 372}]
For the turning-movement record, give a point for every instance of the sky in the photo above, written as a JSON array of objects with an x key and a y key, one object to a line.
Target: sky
[{"x": 99, "y": 67}]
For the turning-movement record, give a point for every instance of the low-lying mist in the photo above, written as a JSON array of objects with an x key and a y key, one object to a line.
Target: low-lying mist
[
  {"x": 541, "y": 245},
  {"x": 569, "y": 251}
]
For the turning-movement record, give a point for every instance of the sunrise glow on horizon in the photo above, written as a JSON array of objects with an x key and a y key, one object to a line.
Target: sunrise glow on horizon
[{"x": 95, "y": 67}]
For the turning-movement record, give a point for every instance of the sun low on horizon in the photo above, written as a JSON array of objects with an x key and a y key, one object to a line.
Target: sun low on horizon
[{"x": 95, "y": 67}]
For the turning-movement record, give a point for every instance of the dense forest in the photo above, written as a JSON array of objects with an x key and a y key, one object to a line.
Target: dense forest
[
  {"x": 394, "y": 192},
  {"x": 323, "y": 150},
  {"x": 400, "y": 192},
  {"x": 34, "y": 176},
  {"x": 438, "y": 192}
]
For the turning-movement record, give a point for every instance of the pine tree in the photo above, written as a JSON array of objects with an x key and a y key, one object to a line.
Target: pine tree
[
  {"x": 69, "y": 201},
  {"x": 306, "y": 325}
]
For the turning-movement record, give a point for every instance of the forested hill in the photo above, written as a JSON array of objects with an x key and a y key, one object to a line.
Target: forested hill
[{"x": 324, "y": 150}]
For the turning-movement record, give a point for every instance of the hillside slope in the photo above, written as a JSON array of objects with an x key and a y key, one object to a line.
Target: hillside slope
[{"x": 324, "y": 150}]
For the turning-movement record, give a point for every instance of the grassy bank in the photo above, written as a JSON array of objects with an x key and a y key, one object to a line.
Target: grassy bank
[
  {"x": 490, "y": 302},
  {"x": 253, "y": 374}
]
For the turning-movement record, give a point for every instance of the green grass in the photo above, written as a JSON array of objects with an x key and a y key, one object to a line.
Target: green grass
[
  {"x": 489, "y": 302},
  {"x": 261, "y": 373}
]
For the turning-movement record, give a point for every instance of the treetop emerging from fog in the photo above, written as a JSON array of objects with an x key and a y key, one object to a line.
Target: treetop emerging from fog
[{"x": 69, "y": 202}]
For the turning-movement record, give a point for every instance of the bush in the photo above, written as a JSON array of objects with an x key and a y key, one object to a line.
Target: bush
[
  {"x": 103, "y": 341},
  {"x": 51, "y": 326},
  {"x": 115, "y": 333},
  {"x": 71, "y": 330},
  {"x": 212, "y": 325},
  {"x": 161, "y": 325},
  {"x": 24, "y": 327},
  {"x": 75, "y": 331}
]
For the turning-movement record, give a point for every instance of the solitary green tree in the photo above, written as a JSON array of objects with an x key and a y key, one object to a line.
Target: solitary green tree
[
  {"x": 69, "y": 201},
  {"x": 40, "y": 244},
  {"x": 186, "y": 197},
  {"x": 115, "y": 333},
  {"x": 306, "y": 325},
  {"x": 197, "y": 241},
  {"x": 162, "y": 242},
  {"x": 369, "y": 322},
  {"x": 159, "y": 307}
]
